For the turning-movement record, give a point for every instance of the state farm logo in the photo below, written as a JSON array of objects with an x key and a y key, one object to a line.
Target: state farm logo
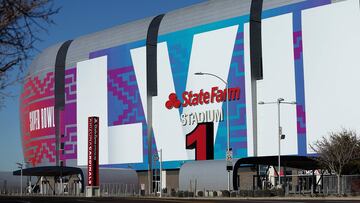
[
  {"x": 173, "y": 101},
  {"x": 202, "y": 97}
]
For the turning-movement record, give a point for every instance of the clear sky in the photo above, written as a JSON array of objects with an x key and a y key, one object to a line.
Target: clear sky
[{"x": 76, "y": 18}]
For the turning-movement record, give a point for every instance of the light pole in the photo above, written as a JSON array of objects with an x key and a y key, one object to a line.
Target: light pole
[
  {"x": 227, "y": 117},
  {"x": 160, "y": 151},
  {"x": 20, "y": 166},
  {"x": 280, "y": 137},
  {"x": 158, "y": 185}
]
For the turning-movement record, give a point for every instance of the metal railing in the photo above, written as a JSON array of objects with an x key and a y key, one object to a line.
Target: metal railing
[
  {"x": 327, "y": 184},
  {"x": 72, "y": 189},
  {"x": 349, "y": 184},
  {"x": 118, "y": 190}
]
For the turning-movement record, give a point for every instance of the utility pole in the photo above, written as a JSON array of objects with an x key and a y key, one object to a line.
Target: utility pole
[
  {"x": 279, "y": 101},
  {"x": 160, "y": 172},
  {"x": 20, "y": 165},
  {"x": 228, "y": 151}
]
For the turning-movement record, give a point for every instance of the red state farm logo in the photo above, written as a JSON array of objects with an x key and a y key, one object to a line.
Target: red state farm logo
[
  {"x": 202, "y": 97},
  {"x": 173, "y": 101}
]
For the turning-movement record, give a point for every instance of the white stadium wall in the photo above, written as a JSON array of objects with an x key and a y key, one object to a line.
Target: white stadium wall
[
  {"x": 91, "y": 97},
  {"x": 331, "y": 41},
  {"x": 279, "y": 81}
]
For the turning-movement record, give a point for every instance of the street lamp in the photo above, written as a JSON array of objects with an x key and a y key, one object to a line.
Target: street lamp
[
  {"x": 227, "y": 118},
  {"x": 280, "y": 136},
  {"x": 161, "y": 157},
  {"x": 20, "y": 166},
  {"x": 158, "y": 157}
]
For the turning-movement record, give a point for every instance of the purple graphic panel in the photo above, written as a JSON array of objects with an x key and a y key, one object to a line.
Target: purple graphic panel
[{"x": 68, "y": 117}]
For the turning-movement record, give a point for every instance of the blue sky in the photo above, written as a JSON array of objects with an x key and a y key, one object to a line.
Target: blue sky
[{"x": 76, "y": 18}]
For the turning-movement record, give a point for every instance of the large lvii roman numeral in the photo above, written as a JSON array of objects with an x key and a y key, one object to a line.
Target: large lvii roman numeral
[{"x": 202, "y": 140}]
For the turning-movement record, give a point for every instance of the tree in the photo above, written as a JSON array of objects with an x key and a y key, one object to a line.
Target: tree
[
  {"x": 337, "y": 151},
  {"x": 20, "y": 23}
]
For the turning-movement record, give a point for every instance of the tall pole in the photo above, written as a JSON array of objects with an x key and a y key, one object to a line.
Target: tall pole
[
  {"x": 227, "y": 118},
  {"x": 278, "y": 102},
  {"x": 57, "y": 136},
  {"x": 21, "y": 178},
  {"x": 160, "y": 172},
  {"x": 149, "y": 140},
  {"x": 20, "y": 166},
  {"x": 228, "y": 129},
  {"x": 279, "y": 138}
]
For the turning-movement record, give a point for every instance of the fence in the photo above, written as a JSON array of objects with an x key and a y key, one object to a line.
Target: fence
[
  {"x": 71, "y": 189},
  {"x": 349, "y": 184},
  {"x": 118, "y": 190},
  {"x": 327, "y": 184}
]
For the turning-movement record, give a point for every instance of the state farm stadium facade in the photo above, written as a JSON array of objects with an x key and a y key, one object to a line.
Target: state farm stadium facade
[{"x": 144, "y": 71}]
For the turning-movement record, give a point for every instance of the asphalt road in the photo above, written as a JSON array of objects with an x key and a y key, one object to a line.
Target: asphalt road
[{"x": 12, "y": 199}]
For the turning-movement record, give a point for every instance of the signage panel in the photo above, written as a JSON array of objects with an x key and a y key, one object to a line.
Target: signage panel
[{"x": 93, "y": 151}]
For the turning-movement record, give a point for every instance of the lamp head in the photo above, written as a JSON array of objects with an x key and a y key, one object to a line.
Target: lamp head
[
  {"x": 281, "y": 99},
  {"x": 261, "y": 102},
  {"x": 199, "y": 73}
]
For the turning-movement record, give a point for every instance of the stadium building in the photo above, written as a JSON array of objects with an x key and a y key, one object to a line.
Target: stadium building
[{"x": 160, "y": 84}]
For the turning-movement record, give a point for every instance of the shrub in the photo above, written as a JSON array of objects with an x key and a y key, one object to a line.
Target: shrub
[
  {"x": 173, "y": 193},
  {"x": 186, "y": 193},
  {"x": 262, "y": 193},
  {"x": 246, "y": 193},
  {"x": 215, "y": 194},
  {"x": 180, "y": 194},
  {"x": 200, "y": 193},
  {"x": 225, "y": 193},
  {"x": 278, "y": 192},
  {"x": 267, "y": 193}
]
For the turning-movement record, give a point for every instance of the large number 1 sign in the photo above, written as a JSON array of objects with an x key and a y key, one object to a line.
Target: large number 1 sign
[{"x": 202, "y": 140}]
